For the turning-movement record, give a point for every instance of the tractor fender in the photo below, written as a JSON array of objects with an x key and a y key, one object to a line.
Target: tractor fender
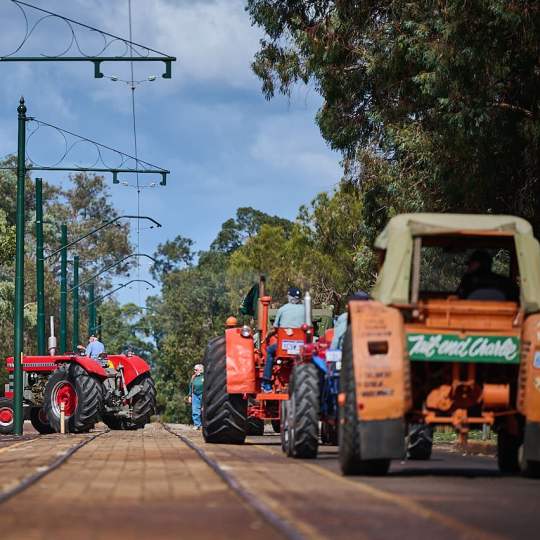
[
  {"x": 133, "y": 365},
  {"x": 240, "y": 354},
  {"x": 87, "y": 363},
  {"x": 382, "y": 376},
  {"x": 528, "y": 399}
]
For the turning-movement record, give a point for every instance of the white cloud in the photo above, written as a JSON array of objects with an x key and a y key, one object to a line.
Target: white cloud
[
  {"x": 212, "y": 39},
  {"x": 291, "y": 142}
]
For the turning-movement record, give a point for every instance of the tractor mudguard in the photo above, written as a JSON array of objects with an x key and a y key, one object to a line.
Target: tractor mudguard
[
  {"x": 91, "y": 366},
  {"x": 382, "y": 376},
  {"x": 240, "y": 353},
  {"x": 528, "y": 399},
  {"x": 133, "y": 365}
]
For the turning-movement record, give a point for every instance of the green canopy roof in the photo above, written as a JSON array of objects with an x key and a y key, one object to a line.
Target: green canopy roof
[{"x": 392, "y": 286}]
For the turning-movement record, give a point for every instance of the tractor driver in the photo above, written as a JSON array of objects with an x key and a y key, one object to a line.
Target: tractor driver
[
  {"x": 94, "y": 348},
  {"x": 481, "y": 283},
  {"x": 290, "y": 315}
]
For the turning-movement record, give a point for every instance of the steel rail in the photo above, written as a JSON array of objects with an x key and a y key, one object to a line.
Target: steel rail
[
  {"x": 277, "y": 522},
  {"x": 37, "y": 476}
]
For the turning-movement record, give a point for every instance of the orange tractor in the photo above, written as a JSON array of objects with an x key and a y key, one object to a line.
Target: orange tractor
[
  {"x": 446, "y": 341},
  {"x": 233, "y": 404}
]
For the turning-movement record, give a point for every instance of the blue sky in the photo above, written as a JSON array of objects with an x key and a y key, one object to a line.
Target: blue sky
[{"x": 225, "y": 145}]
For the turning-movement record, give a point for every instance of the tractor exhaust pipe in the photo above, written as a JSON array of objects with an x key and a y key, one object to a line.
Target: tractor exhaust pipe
[
  {"x": 307, "y": 309},
  {"x": 52, "y": 339}
]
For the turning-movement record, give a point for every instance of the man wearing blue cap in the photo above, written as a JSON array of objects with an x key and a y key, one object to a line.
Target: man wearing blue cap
[{"x": 290, "y": 315}]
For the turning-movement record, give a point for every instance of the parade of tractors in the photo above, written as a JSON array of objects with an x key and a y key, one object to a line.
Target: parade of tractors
[{"x": 447, "y": 338}]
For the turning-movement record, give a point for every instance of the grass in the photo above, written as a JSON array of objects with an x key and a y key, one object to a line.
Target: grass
[{"x": 443, "y": 435}]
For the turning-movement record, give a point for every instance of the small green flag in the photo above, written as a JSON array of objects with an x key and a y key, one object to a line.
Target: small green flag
[{"x": 250, "y": 303}]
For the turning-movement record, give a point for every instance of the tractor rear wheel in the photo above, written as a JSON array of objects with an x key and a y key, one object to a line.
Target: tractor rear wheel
[
  {"x": 82, "y": 395},
  {"x": 224, "y": 416},
  {"x": 255, "y": 426},
  {"x": 39, "y": 420},
  {"x": 143, "y": 404},
  {"x": 113, "y": 422},
  {"x": 303, "y": 412},
  {"x": 6, "y": 416},
  {"x": 508, "y": 452},
  {"x": 349, "y": 437},
  {"x": 420, "y": 442}
]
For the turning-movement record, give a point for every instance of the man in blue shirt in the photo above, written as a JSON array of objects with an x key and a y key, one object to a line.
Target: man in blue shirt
[
  {"x": 290, "y": 315},
  {"x": 94, "y": 348}
]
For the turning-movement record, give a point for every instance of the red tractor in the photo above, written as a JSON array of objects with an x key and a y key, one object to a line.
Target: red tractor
[
  {"x": 233, "y": 404},
  {"x": 117, "y": 389}
]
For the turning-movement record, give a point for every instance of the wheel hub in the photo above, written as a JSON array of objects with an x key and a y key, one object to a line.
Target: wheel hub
[
  {"x": 6, "y": 416},
  {"x": 66, "y": 394}
]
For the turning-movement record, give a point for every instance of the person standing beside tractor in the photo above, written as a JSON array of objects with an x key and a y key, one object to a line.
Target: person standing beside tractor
[
  {"x": 290, "y": 315},
  {"x": 195, "y": 394}
]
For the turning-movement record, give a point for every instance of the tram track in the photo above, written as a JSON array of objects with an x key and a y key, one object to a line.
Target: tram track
[
  {"x": 283, "y": 526},
  {"x": 372, "y": 508},
  {"x": 45, "y": 470}
]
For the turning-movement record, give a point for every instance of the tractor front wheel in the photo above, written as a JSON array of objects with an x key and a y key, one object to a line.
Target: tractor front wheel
[
  {"x": 39, "y": 420},
  {"x": 329, "y": 434},
  {"x": 81, "y": 394},
  {"x": 255, "y": 426},
  {"x": 143, "y": 404},
  {"x": 6, "y": 416},
  {"x": 276, "y": 426},
  {"x": 508, "y": 452},
  {"x": 224, "y": 416},
  {"x": 303, "y": 412},
  {"x": 350, "y": 460},
  {"x": 420, "y": 442}
]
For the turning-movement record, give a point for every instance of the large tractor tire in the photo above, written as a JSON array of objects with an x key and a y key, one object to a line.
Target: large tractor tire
[
  {"x": 6, "y": 416},
  {"x": 114, "y": 423},
  {"x": 284, "y": 426},
  {"x": 350, "y": 460},
  {"x": 224, "y": 416},
  {"x": 255, "y": 426},
  {"x": 508, "y": 452},
  {"x": 329, "y": 434},
  {"x": 82, "y": 395},
  {"x": 420, "y": 441},
  {"x": 303, "y": 412},
  {"x": 143, "y": 404},
  {"x": 38, "y": 418}
]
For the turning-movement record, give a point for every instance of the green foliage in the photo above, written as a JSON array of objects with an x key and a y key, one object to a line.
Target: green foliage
[
  {"x": 248, "y": 222},
  {"x": 447, "y": 94},
  {"x": 83, "y": 205},
  {"x": 124, "y": 329},
  {"x": 325, "y": 252},
  {"x": 172, "y": 255}
]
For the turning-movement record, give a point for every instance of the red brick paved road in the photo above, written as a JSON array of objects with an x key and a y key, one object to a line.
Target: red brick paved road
[{"x": 126, "y": 485}]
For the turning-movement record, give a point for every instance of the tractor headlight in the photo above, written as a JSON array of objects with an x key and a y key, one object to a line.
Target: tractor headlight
[{"x": 246, "y": 331}]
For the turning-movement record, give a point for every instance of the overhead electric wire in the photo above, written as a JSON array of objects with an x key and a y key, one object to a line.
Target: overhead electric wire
[{"x": 134, "y": 116}]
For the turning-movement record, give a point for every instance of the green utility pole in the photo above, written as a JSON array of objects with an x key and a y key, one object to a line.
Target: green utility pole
[
  {"x": 91, "y": 309},
  {"x": 75, "y": 331},
  {"x": 40, "y": 271},
  {"x": 63, "y": 291},
  {"x": 99, "y": 327},
  {"x": 19, "y": 272}
]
